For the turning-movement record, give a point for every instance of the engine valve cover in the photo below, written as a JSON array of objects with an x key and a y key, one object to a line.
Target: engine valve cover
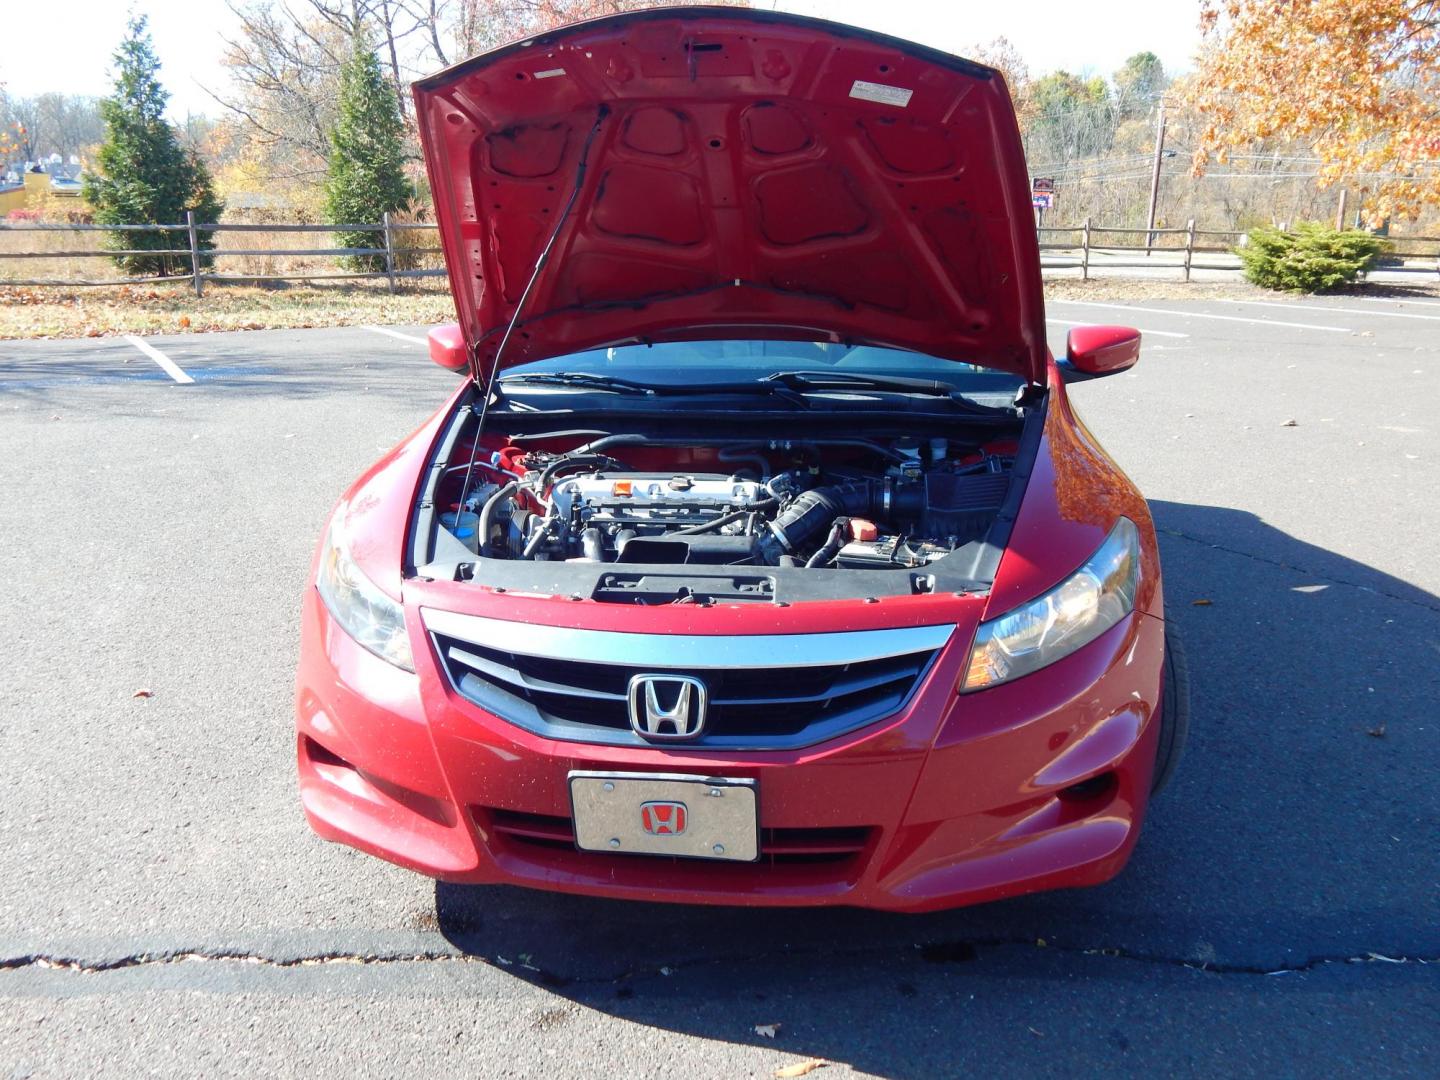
[{"x": 655, "y": 498}]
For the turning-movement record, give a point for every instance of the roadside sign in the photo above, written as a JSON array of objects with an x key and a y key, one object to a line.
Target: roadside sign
[
  {"x": 1041, "y": 184},
  {"x": 1043, "y": 200}
]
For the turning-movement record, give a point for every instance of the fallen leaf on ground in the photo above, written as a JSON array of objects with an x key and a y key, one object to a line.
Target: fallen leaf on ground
[
  {"x": 142, "y": 693},
  {"x": 1202, "y": 602},
  {"x": 768, "y": 1030},
  {"x": 801, "y": 1068}
]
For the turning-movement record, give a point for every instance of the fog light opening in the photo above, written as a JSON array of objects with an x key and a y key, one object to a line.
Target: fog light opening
[
  {"x": 322, "y": 755},
  {"x": 1095, "y": 789}
]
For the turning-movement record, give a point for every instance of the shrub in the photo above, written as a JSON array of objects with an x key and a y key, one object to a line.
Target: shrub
[{"x": 1309, "y": 258}]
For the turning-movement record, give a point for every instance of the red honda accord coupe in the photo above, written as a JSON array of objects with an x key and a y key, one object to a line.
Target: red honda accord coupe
[{"x": 758, "y": 558}]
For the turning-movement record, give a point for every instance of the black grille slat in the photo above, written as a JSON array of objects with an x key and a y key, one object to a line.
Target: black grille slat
[
  {"x": 853, "y": 684},
  {"x": 826, "y": 844},
  {"x": 750, "y": 708},
  {"x": 522, "y": 680}
]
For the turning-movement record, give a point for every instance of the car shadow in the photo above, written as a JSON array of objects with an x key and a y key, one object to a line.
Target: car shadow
[{"x": 1298, "y": 827}]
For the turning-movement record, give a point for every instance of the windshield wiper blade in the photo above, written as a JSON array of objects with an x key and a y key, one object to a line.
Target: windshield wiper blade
[
  {"x": 596, "y": 381},
  {"x": 588, "y": 379},
  {"x": 854, "y": 380}
]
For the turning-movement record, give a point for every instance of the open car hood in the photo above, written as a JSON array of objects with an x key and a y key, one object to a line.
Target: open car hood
[{"x": 727, "y": 172}]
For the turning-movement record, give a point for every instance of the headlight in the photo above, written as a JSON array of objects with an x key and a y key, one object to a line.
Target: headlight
[
  {"x": 361, "y": 609},
  {"x": 1074, "y": 613}
]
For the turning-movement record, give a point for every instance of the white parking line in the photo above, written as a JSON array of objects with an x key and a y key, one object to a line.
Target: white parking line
[
  {"x": 1343, "y": 311},
  {"x": 1418, "y": 300},
  {"x": 166, "y": 364},
  {"x": 1156, "y": 333},
  {"x": 396, "y": 334},
  {"x": 1206, "y": 315}
]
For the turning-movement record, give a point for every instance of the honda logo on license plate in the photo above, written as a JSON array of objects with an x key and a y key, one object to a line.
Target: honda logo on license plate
[{"x": 663, "y": 818}]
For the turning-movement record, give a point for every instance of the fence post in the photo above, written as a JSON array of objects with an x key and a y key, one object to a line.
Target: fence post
[
  {"x": 1085, "y": 250},
  {"x": 1189, "y": 245},
  {"x": 194, "y": 253},
  {"x": 389, "y": 252}
]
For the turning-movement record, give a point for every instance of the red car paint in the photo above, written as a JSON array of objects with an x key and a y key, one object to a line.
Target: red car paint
[{"x": 957, "y": 798}]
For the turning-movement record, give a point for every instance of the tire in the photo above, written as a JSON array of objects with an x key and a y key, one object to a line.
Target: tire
[{"x": 1174, "y": 710}]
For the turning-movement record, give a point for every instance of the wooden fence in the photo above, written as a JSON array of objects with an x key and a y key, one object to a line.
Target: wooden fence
[
  {"x": 1180, "y": 246},
  {"x": 1085, "y": 246},
  {"x": 394, "y": 256}
]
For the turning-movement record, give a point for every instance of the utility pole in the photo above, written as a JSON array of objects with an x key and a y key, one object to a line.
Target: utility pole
[
  {"x": 1155, "y": 175},
  {"x": 1340, "y": 210}
]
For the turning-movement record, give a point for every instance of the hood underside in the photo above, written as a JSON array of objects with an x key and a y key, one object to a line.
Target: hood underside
[{"x": 724, "y": 172}]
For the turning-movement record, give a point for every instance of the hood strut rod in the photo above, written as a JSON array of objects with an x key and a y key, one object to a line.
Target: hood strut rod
[{"x": 544, "y": 257}]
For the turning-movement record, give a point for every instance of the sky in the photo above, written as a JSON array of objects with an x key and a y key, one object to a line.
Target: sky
[{"x": 67, "y": 47}]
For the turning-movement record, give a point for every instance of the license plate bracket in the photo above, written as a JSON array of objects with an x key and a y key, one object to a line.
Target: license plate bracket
[{"x": 677, "y": 814}]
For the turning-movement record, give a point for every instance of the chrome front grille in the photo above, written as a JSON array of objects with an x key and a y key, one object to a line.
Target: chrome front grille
[{"x": 769, "y": 692}]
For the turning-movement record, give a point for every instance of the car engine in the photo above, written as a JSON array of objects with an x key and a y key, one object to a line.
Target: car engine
[{"x": 915, "y": 503}]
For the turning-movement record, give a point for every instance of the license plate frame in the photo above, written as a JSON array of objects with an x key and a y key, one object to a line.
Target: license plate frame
[{"x": 722, "y": 814}]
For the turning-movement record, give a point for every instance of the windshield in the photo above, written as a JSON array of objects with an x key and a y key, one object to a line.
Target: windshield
[{"x": 683, "y": 363}]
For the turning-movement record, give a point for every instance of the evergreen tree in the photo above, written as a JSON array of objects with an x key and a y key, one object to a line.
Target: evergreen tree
[
  {"x": 366, "y": 175},
  {"x": 144, "y": 174}
]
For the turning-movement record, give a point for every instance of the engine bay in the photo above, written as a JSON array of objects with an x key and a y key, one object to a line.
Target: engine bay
[{"x": 650, "y": 508}]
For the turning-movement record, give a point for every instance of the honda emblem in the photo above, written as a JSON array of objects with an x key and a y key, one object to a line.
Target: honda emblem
[
  {"x": 667, "y": 707},
  {"x": 663, "y": 818}
]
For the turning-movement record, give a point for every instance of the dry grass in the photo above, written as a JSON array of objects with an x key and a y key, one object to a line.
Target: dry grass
[
  {"x": 1150, "y": 289},
  {"x": 60, "y": 312},
  {"x": 59, "y": 268}
]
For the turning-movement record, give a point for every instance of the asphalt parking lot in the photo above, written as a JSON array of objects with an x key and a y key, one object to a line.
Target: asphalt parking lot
[{"x": 164, "y": 908}]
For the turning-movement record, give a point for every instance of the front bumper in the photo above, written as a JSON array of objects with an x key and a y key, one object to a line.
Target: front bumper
[{"x": 958, "y": 799}]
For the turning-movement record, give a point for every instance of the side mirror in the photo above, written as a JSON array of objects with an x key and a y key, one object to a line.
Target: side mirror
[
  {"x": 1092, "y": 351},
  {"x": 447, "y": 347}
]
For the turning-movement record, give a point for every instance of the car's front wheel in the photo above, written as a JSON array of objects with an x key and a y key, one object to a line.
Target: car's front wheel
[{"x": 1174, "y": 709}]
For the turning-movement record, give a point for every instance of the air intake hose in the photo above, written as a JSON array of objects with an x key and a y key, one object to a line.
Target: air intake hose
[{"x": 814, "y": 511}]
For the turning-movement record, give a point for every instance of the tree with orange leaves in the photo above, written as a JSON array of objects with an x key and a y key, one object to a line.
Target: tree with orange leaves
[
  {"x": 1002, "y": 55},
  {"x": 1357, "y": 80}
]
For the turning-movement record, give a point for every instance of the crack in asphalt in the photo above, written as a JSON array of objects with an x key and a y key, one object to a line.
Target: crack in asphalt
[
  {"x": 943, "y": 952},
  {"x": 1177, "y": 534},
  {"x": 188, "y": 956}
]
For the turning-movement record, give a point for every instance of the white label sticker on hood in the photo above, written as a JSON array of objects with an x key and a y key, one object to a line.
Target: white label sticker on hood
[
  {"x": 885, "y": 95},
  {"x": 549, "y": 73}
]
